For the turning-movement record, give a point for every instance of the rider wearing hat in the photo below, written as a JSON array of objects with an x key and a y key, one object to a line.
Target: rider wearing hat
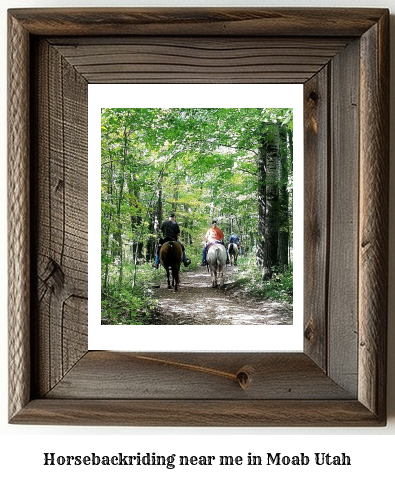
[{"x": 171, "y": 230}]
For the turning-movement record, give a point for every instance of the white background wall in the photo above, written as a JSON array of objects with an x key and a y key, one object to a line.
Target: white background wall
[{"x": 22, "y": 447}]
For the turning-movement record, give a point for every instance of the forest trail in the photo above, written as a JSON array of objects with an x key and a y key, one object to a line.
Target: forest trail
[{"x": 197, "y": 303}]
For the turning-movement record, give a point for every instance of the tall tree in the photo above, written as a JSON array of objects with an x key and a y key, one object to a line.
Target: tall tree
[{"x": 284, "y": 197}]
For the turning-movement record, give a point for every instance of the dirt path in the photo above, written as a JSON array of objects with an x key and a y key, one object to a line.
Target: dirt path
[{"x": 197, "y": 303}]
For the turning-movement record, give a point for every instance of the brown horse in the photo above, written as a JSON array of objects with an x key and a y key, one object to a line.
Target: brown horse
[
  {"x": 233, "y": 252},
  {"x": 170, "y": 257}
]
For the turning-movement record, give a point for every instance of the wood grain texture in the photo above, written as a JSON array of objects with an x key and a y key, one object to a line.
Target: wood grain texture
[
  {"x": 183, "y": 376},
  {"x": 48, "y": 264},
  {"x": 18, "y": 218},
  {"x": 214, "y": 60},
  {"x": 373, "y": 228},
  {"x": 316, "y": 215},
  {"x": 343, "y": 228},
  {"x": 202, "y": 413},
  {"x": 199, "y": 21},
  {"x": 61, "y": 198}
]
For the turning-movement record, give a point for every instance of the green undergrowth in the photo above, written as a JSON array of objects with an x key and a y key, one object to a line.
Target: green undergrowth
[
  {"x": 249, "y": 278},
  {"x": 135, "y": 305},
  {"x": 131, "y": 305}
]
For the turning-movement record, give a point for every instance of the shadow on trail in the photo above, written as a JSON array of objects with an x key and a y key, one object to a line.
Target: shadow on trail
[{"x": 197, "y": 303}]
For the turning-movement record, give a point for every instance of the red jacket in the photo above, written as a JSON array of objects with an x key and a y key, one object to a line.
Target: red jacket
[{"x": 214, "y": 234}]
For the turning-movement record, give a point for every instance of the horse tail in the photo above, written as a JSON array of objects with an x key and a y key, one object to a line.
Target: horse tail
[
  {"x": 218, "y": 256},
  {"x": 172, "y": 253},
  {"x": 173, "y": 263}
]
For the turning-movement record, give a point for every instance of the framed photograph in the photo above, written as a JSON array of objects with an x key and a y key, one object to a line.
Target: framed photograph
[
  {"x": 200, "y": 162},
  {"x": 340, "y": 57}
]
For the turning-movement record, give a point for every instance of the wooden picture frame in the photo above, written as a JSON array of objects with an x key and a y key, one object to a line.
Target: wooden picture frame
[{"x": 342, "y": 58}]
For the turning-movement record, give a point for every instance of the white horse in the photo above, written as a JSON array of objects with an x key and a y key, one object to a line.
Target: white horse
[{"x": 216, "y": 260}]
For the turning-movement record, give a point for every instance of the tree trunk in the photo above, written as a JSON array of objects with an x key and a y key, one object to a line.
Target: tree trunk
[
  {"x": 284, "y": 200},
  {"x": 270, "y": 248},
  {"x": 176, "y": 195},
  {"x": 260, "y": 245},
  {"x": 119, "y": 231},
  {"x": 106, "y": 226}
]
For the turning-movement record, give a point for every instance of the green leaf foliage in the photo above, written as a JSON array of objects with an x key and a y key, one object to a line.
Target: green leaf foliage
[{"x": 200, "y": 163}]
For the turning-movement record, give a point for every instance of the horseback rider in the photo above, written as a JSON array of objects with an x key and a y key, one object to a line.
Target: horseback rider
[
  {"x": 171, "y": 230},
  {"x": 213, "y": 235},
  {"x": 234, "y": 239}
]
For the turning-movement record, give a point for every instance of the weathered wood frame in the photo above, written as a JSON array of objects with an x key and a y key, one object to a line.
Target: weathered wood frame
[{"x": 342, "y": 58}]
